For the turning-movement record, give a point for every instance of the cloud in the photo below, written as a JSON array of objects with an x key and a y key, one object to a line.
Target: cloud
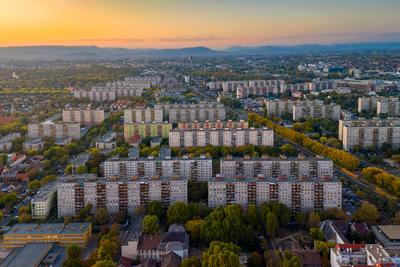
[
  {"x": 108, "y": 40},
  {"x": 190, "y": 39}
]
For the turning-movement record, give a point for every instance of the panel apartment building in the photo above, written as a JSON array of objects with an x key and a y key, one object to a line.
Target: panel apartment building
[
  {"x": 214, "y": 125},
  {"x": 54, "y": 130},
  {"x": 368, "y": 104},
  {"x": 44, "y": 201},
  {"x": 232, "y": 86},
  {"x": 83, "y": 116},
  {"x": 147, "y": 115},
  {"x": 73, "y": 194},
  {"x": 389, "y": 106},
  {"x": 298, "y": 194},
  {"x": 221, "y": 137},
  {"x": 279, "y": 107},
  {"x": 197, "y": 169},
  {"x": 194, "y": 112},
  {"x": 146, "y": 130},
  {"x": 315, "y": 109},
  {"x": 246, "y": 91},
  {"x": 367, "y": 134}
]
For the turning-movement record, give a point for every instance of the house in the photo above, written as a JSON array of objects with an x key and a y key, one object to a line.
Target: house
[
  {"x": 335, "y": 231},
  {"x": 309, "y": 258}
]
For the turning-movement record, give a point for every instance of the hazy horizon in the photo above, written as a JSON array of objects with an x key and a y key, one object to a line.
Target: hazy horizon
[{"x": 188, "y": 23}]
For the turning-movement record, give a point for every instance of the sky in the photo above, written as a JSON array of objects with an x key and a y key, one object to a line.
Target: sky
[{"x": 186, "y": 23}]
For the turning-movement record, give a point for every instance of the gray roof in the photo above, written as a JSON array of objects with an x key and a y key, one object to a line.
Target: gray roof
[
  {"x": 48, "y": 228},
  {"x": 29, "y": 255}
]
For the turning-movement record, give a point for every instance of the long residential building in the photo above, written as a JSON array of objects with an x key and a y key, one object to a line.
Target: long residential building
[
  {"x": 221, "y": 137},
  {"x": 54, "y": 130},
  {"x": 299, "y": 194},
  {"x": 147, "y": 115},
  {"x": 83, "y": 116},
  {"x": 197, "y": 169},
  {"x": 367, "y": 134},
  {"x": 315, "y": 109},
  {"x": 389, "y": 106},
  {"x": 288, "y": 167},
  {"x": 21, "y": 234},
  {"x": 194, "y": 112},
  {"x": 279, "y": 107},
  {"x": 245, "y": 91},
  {"x": 146, "y": 130},
  {"x": 73, "y": 194},
  {"x": 232, "y": 86},
  {"x": 211, "y": 125}
]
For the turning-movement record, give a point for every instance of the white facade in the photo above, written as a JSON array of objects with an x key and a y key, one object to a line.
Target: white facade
[
  {"x": 221, "y": 137},
  {"x": 147, "y": 115},
  {"x": 54, "y": 130},
  {"x": 279, "y": 107},
  {"x": 194, "y": 112},
  {"x": 83, "y": 116},
  {"x": 44, "y": 201},
  {"x": 315, "y": 109}
]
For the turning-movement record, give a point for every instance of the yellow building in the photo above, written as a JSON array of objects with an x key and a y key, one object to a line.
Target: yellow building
[
  {"x": 146, "y": 130},
  {"x": 62, "y": 234}
]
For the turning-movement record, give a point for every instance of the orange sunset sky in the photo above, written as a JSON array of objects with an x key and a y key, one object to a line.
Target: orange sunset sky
[{"x": 181, "y": 23}]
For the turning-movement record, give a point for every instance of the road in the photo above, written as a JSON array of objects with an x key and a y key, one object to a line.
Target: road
[{"x": 338, "y": 170}]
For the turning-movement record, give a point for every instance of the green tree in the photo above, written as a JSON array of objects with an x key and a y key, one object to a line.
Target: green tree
[
  {"x": 178, "y": 213},
  {"x": 300, "y": 219},
  {"x": 193, "y": 227},
  {"x": 221, "y": 254},
  {"x": 366, "y": 213},
  {"x": 313, "y": 220},
  {"x": 105, "y": 263},
  {"x": 272, "y": 224},
  {"x": 316, "y": 234},
  {"x": 34, "y": 185},
  {"x": 191, "y": 262},
  {"x": 47, "y": 179},
  {"x": 8, "y": 200},
  {"x": 101, "y": 216},
  {"x": 150, "y": 225},
  {"x": 73, "y": 257},
  {"x": 252, "y": 216},
  {"x": 156, "y": 208}
]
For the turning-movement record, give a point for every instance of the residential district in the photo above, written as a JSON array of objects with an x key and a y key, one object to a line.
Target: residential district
[{"x": 201, "y": 161}]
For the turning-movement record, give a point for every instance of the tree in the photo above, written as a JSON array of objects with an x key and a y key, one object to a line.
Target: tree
[
  {"x": 105, "y": 263},
  {"x": 272, "y": 224},
  {"x": 73, "y": 257},
  {"x": 366, "y": 213},
  {"x": 255, "y": 260},
  {"x": 47, "y": 179},
  {"x": 8, "y": 200},
  {"x": 313, "y": 220},
  {"x": 300, "y": 219},
  {"x": 68, "y": 169},
  {"x": 34, "y": 185},
  {"x": 101, "y": 216},
  {"x": 288, "y": 149},
  {"x": 252, "y": 216},
  {"x": 178, "y": 213},
  {"x": 316, "y": 234},
  {"x": 191, "y": 262},
  {"x": 290, "y": 260},
  {"x": 221, "y": 254},
  {"x": 1, "y": 215},
  {"x": 150, "y": 225},
  {"x": 156, "y": 208},
  {"x": 193, "y": 227},
  {"x": 81, "y": 169}
]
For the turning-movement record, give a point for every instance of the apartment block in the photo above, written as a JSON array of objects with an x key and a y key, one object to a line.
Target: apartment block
[
  {"x": 367, "y": 134},
  {"x": 146, "y": 130},
  {"x": 214, "y": 125},
  {"x": 44, "y": 201},
  {"x": 62, "y": 234},
  {"x": 194, "y": 112},
  {"x": 197, "y": 169},
  {"x": 246, "y": 91},
  {"x": 299, "y": 194},
  {"x": 54, "y": 130},
  {"x": 147, "y": 115},
  {"x": 33, "y": 144},
  {"x": 368, "y": 104},
  {"x": 315, "y": 109},
  {"x": 232, "y": 86},
  {"x": 221, "y": 137},
  {"x": 279, "y": 107},
  {"x": 289, "y": 167},
  {"x": 83, "y": 116},
  {"x": 118, "y": 195},
  {"x": 321, "y": 85},
  {"x": 6, "y": 141},
  {"x": 389, "y": 106},
  {"x": 357, "y": 85}
]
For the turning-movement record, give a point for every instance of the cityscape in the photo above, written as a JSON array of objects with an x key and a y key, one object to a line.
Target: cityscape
[{"x": 200, "y": 133}]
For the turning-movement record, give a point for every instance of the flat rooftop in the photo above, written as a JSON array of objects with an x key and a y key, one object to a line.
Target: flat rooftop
[
  {"x": 48, "y": 228},
  {"x": 390, "y": 231},
  {"x": 29, "y": 255},
  {"x": 262, "y": 179},
  {"x": 372, "y": 123},
  {"x": 45, "y": 192}
]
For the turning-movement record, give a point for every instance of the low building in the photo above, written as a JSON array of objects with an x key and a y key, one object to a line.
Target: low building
[
  {"x": 106, "y": 141},
  {"x": 335, "y": 231},
  {"x": 21, "y": 234},
  {"x": 387, "y": 235},
  {"x": 6, "y": 141},
  {"x": 157, "y": 247},
  {"x": 33, "y": 144},
  {"x": 63, "y": 141},
  {"x": 44, "y": 201}
]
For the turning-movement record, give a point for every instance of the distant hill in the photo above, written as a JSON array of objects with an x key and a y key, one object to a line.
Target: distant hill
[{"x": 94, "y": 52}]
